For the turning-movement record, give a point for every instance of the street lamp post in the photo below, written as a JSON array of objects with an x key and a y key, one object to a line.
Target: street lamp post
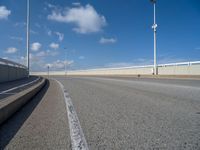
[
  {"x": 65, "y": 65},
  {"x": 27, "y": 35},
  {"x": 48, "y": 71},
  {"x": 154, "y": 29}
]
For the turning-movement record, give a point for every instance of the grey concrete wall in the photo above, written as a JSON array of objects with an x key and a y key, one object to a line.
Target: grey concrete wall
[{"x": 10, "y": 73}]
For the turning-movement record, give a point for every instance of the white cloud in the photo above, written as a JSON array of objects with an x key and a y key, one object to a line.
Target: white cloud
[
  {"x": 107, "y": 40},
  {"x": 59, "y": 64},
  {"x": 11, "y": 50},
  {"x": 4, "y": 12},
  {"x": 20, "y": 24},
  {"x": 52, "y": 53},
  {"x": 50, "y": 5},
  {"x": 85, "y": 18},
  {"x": 38, "y": 59},
  {"x": 33, "y": 32},
  {"x": 5, "y": 57},
  {"x": 37, "y": 25},
  {"x": 54, "y": 45},
  {"x": 60, "y": 36},
  {"x": 49, "y": 32},
  {"x": 81, "y": 57},
  {"x": 46, "y": 53},
  {"x": 16, "y": 38},
  {"x": 36, "y": 46},
  {"x": 41, "y": 54},
  {"x": 76, "y": 4}
]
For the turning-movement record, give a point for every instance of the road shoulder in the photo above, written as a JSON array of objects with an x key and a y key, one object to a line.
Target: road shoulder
[{"x": 40, "y": 124}]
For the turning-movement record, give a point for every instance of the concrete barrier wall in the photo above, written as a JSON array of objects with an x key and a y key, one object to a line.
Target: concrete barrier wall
[
  {"x": 10, "y": 73},
  {"x": 180, "y": 70},
  {"x": 128, "y": 71},
  {"x": 186, "y": 69}
]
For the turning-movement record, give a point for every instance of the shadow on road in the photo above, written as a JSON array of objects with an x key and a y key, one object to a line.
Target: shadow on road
[{"x": 12, "y": 125}]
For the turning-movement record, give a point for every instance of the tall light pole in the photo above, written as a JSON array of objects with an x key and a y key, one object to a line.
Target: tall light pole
[
  {"x": 154, "y": 29},
  {"x": 48, "y": 71},
  {"x": 27, "y": 35}
]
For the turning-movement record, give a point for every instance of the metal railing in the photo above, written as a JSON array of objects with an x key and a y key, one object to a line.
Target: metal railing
[
  {"x": 11, "y": 63},
  {"x": 180, "y": 64}
]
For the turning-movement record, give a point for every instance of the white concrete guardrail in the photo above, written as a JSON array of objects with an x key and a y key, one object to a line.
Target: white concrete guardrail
[
  {"x": 10, "y": 70},
  {"x": 181, "y": 68}
]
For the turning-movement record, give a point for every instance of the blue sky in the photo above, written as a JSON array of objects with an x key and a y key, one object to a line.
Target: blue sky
[{"x": 99, "y": 33}]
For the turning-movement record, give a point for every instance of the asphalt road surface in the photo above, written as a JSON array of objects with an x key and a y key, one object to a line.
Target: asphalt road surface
[
  {"x": 137, "y": 113},
  {"x": 114, "y": 113}
]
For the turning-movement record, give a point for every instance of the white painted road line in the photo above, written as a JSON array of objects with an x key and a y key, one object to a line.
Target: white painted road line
[
  {"x": 20, "y": 86},
  {"x": 78, "y": 140}
]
